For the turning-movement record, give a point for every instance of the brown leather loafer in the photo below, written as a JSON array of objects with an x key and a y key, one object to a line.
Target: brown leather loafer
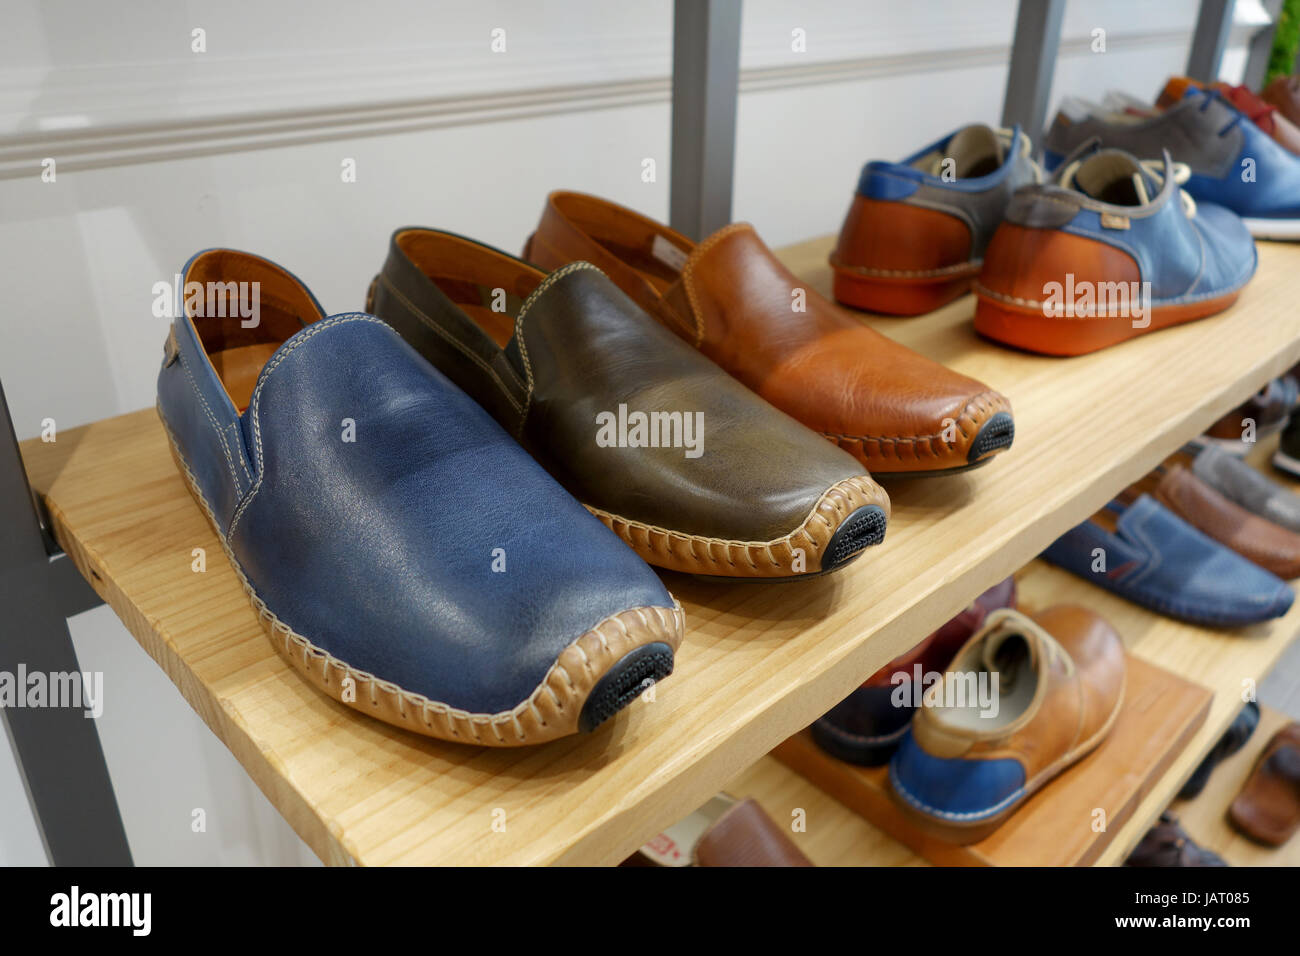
[
  {"x": 723, "y": 832},
  {"x": 892, "y": 409},
  {"x": 1268, "y": 808},
  {"x": 1046, "y": 691},
  {"x": 690, "y": 468},
  {"x": 1257, "y": 539}
]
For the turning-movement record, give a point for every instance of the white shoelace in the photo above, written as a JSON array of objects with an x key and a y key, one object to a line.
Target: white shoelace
[{"x": 1156, "y": 169}]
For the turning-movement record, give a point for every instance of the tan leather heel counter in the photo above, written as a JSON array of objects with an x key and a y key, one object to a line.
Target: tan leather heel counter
[
  {"x": 1020, "y": 262},
  {"x": 885, "y": 236}
]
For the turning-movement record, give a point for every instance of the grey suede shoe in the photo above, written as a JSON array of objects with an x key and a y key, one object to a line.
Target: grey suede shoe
[{"x": 1239, "y": 482}]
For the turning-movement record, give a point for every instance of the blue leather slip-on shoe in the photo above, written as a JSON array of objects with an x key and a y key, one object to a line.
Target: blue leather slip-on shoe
[
  {"x": 1147, "y": 554},
  {"x": 403, "y": 552},
  {"x": 1233, "y": 162}
]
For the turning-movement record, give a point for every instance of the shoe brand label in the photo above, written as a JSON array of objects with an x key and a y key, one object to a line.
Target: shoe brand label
[
  {"x": 624, "y": 429},
  {"x": 1112, "y": 221},
  {"x": 667, "y": 253},
  {"x": 1082, "y": 299}
]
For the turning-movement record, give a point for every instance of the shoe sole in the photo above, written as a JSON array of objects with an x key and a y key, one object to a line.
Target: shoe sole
[
  {"x": 901, "y": 296},
  {"x": 593, "y": 678},
  {"x": 1284, "y": 462},
  {"x": 1026, "y": 327},
  {"x": 1272, "y": 228},
  {"x": 964, "y": 834},
  {"x": 850, "y": 517},
  {"x": 856, "y": 749}
]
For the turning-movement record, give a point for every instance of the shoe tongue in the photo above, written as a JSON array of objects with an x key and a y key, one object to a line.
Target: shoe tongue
[
  {"x": 975, "y": 150},
  {"x": 1114, "y": 177}
]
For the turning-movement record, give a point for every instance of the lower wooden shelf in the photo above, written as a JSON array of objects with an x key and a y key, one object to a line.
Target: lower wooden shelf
[{"x": 1228, "y": 663}]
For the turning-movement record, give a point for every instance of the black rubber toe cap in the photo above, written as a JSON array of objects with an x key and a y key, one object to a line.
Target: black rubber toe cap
[{"x": 623, "y": 682}]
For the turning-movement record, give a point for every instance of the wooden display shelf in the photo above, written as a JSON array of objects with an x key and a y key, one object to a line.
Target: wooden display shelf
[
  {"x": 1220, "y": 660},
  {"x": 1205, "y": 817},
  {"x": 1058, "y": 826},
  {"x": 760, "y": 661}
]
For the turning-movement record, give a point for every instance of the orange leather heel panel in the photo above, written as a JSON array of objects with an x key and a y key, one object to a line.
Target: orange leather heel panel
[
  {"x": 1020, "y": 261},
  {"x": 892, "y": 237},
  {"x": 895, "y": 297}
]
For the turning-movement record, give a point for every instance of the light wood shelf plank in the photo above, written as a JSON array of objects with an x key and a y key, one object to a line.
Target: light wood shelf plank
[{"x": 759, "y": 661}]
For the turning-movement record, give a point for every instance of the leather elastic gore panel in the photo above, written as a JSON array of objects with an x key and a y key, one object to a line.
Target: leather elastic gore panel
[
  {"x": 474, "y": 277},
  {"x": 625, "y": 235},
  {"x": 238, "y": 353}
]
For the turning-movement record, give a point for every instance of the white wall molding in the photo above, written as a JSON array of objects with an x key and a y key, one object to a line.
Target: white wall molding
[{"x": 97, "y": 146}]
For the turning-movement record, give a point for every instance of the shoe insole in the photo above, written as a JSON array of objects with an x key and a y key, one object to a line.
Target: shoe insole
[{"x": 239, "y": 367}]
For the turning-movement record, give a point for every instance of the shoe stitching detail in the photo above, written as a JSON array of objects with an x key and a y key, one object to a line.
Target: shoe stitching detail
[
  {"x": 549, "y": 281},
  {"x": 254, "y": 407},
  {"x": 688, "y": 275},
  {"x": 243, "y": 463},
  {"x": 451, "y": 340},
  {"x": 971, "y": 266},
  {"x": 664, "y": 547},
  {"x": 212, "y": 419},
  {"x": 1037, "y": 304},
  {"x": 972, "y": 815},
  {"x": 977, "y": 411},
  {"x": 671, "y": 629}
]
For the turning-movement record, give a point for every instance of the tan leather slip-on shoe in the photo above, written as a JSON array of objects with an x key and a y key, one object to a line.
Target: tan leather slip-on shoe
[{"x": 893, "y": 409}]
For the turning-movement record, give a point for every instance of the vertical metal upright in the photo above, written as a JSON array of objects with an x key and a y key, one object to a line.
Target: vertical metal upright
[
  {"x": 706, "y": 79},
  {"x": 1261, "y": 48},
  {"x": 1033, "y": 62},
  {"x": 1213, "y": 24},
  {"x": 57, "y": 748}
]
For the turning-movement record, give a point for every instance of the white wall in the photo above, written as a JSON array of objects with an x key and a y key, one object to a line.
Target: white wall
[{"x": 161, "y": 151}]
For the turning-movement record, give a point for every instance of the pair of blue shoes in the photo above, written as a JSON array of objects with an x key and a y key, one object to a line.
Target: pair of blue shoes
[
  {"x": 1147, "y": 554},
  {"x": 404, "y": 553}
]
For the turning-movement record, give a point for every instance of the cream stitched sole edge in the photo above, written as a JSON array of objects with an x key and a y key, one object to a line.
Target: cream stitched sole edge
[
  {"x": 695, "y": 554},
  {"x": 551, "y": 711},
  {"x": 977, "y": 412}
]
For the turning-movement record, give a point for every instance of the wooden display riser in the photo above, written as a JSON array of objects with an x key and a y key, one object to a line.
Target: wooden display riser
[
  {"x": 1072, "y": 820},
  {"x": 759, "y": 662},
  {"x": 1205, "y": 818},
  {"x": 1218, "y": 660}
]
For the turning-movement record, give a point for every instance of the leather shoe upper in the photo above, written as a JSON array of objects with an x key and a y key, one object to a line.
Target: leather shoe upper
[
  {"x": 571, "y": 367},
  {"x": 1059, "y": 686},
  {"x": 1150, "y": 556},
  {"x": 385, "y": 522},
  {"x": 893, "y": 409}
]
